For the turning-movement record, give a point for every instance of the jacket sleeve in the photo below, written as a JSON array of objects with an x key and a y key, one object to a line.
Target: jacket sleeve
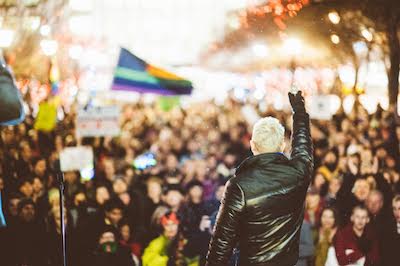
[
  {"x": 302, "y": 146},
  {"x": 227, "y": 225},
  {"x": 154, "y": 255}
]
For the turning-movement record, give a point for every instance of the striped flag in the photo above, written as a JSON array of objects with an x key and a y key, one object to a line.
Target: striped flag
[{"x": 134, "y": 74}]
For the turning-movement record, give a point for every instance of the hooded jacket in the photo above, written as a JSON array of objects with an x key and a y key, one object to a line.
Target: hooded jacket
[{"x": 263, "y": 205}]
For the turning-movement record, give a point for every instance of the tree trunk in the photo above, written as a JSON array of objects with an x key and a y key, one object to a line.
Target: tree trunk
[{"x": 394, "y": 54}]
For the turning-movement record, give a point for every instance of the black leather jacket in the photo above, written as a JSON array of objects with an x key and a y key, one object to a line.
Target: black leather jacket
[{"x": 263, "y": 206}]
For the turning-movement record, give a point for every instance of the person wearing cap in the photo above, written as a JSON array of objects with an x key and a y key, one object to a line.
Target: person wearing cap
[{"x": 263, "y": 205}]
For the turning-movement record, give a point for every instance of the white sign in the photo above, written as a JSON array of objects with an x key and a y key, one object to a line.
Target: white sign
[
  {"x": 98, "y": 122},
  {"x": 323, "y": 107},
  {"x": 76, "y": 158}
]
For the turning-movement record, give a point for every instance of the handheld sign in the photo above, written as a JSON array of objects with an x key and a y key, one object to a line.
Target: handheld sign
[
  {"x": 98, "y": 121},
  {"x": 76, "y": 158},
  {"x": 323, "y": 107}
]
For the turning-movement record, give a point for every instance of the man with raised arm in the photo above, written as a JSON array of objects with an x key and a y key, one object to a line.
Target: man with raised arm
[{"x": 263, "y": 204}]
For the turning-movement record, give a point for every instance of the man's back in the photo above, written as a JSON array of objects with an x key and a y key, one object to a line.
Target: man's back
[
  {"x": 262, "y": 208},
  {"x": 274, "y": 196}
]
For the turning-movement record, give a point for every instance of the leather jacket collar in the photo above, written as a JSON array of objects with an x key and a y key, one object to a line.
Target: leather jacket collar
[{"x": 260, "y": 160}]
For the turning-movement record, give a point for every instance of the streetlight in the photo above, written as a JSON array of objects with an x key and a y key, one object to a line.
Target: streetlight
[
  {"x": 6, "y": 37},
  {"x": 75, "y": 51},
  {"x": 35, "y": 23},
  {"x": 293, "y": 46},
  {"x": 234, "y": 22},
  {"x": 334, "y": 17},
  {"x": 367, "y": 34},
  {"x": 335, "y": 38},
  {"x": 49, "y": 47},
  {"x": 260, "y": 50}
]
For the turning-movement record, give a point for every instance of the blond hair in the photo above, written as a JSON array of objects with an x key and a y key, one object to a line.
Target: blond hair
[{"x": 268, "y": 134}]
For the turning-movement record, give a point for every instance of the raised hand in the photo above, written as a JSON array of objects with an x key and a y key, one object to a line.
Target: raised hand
[
  {"x": 297, "y": 101},
  {"x": 352, "y": 167}
]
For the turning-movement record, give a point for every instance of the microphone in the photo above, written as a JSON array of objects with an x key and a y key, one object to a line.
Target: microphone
[{"x": 11, "y": 107}]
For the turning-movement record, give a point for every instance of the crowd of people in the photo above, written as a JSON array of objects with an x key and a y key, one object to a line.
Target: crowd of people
[{"x": 164, "y": 214}]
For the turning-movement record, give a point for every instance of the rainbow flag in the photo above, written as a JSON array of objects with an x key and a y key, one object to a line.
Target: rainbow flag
[{"x": 134, "y": 74}]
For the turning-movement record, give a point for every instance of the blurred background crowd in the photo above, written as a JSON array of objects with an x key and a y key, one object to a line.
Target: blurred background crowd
[
  {"x": 151, "y": 192},
  {"x": 164, "y": 214}
]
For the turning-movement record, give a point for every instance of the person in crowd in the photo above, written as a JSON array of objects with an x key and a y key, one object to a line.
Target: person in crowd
[
  {"x": 109, "y": 251},
  {"x": 38, "y": 189},
  {"x": 102, "y": 195},
  {"x": 314, "y": 206},
  {"x": 129, "y": 241},
  {"x": 78, "y": 208},
  {"x": 173, "y": 197},
  {"x": 327, "y": 229},
  {"x": 378, "y": 215},
  {"x": 201, "y": 142},
  {"x": 169, "y": 247},
  {"x": 24, "y": 165},
  {"x": 213, "y": 204},
  {"x": 391, "y": 243},
  {"x": 329, "y": 165},
  {"x": 192, "y": 214},
  {"x": 110, "y": 214},
  {"x": 119, "y": 186},
  {"x": 306, "y": 247},
  {"x": 320, "y": 183},
  {"x": 40, "y": 168},
  {"x": 26, "y": 244},
  {"x": 152, "y": 200},
  {"x": 357, "y": 243},
  {"x": 333, "y": 188},
  {"x": 53, "y": 241},
  {"x": 72, "y": 183},
  {"x": 11, "y": 211},
  {"x": 194, "y": 208},
  {"x": 113, "y": 212},
  {"x": 25, "y": 188},
  {"x": 172, "y": 200},
  {"x": 353, "y": 192}
]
